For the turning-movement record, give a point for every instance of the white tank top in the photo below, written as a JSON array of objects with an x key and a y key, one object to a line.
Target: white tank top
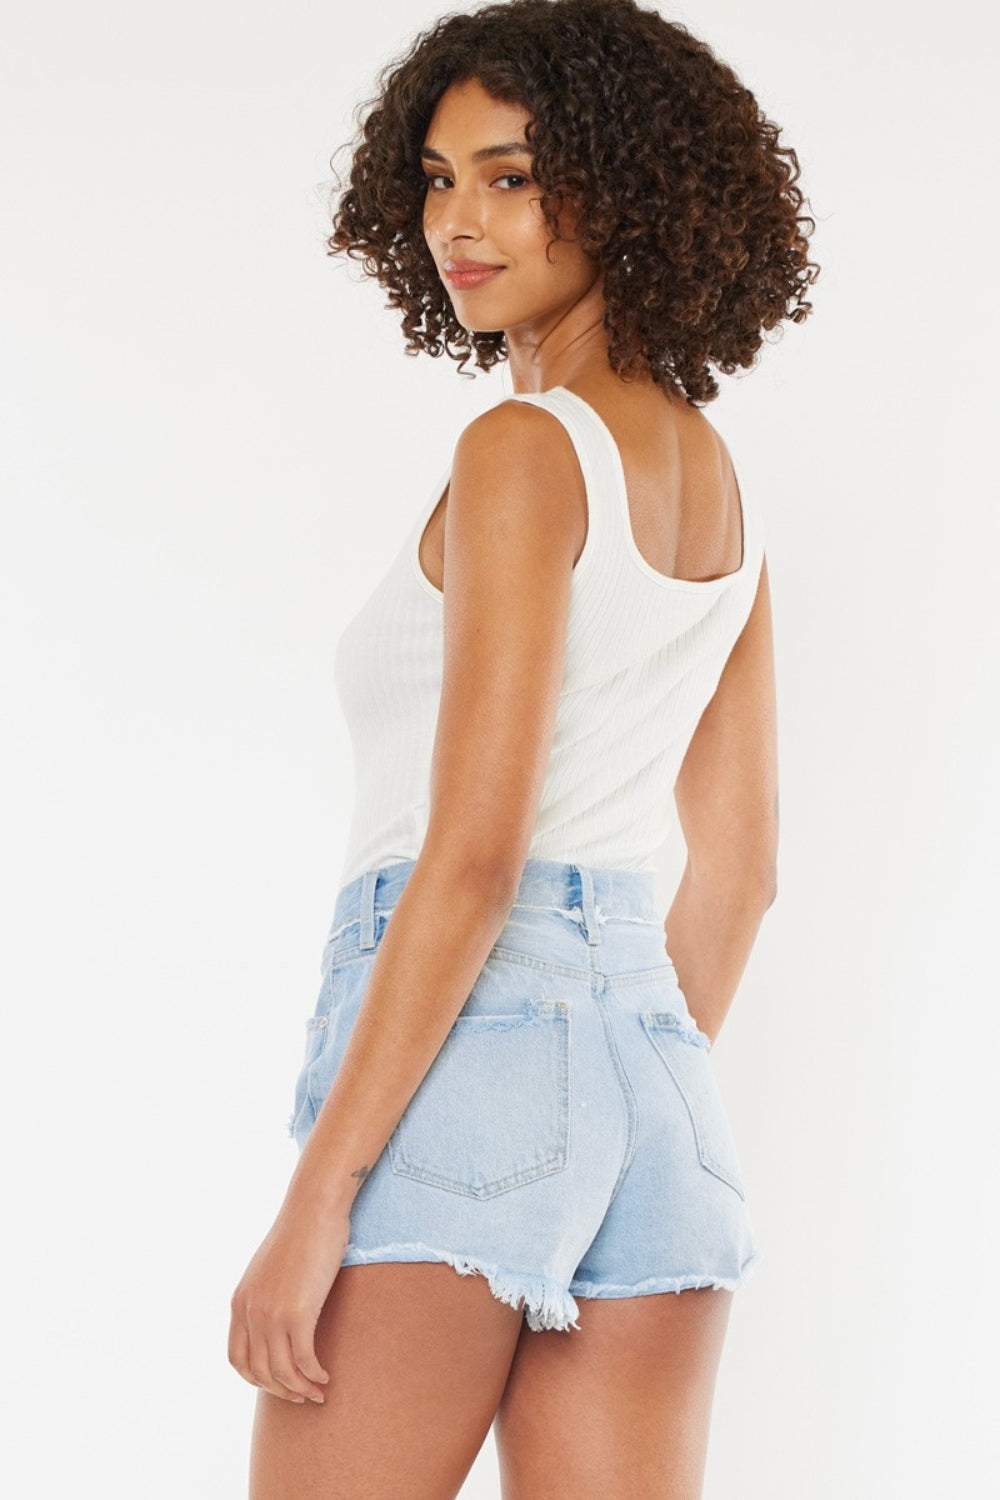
[{"x": 644, "y": 653}]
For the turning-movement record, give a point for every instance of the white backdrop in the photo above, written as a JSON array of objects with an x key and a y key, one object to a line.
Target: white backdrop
[{"x": 212, "y": 446}]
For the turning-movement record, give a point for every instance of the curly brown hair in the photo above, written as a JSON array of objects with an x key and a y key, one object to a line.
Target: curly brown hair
[{"x": 674, "y": 175}]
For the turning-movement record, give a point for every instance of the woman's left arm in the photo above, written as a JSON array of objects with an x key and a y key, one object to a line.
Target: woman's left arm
[{"x": 514, "y": 524}]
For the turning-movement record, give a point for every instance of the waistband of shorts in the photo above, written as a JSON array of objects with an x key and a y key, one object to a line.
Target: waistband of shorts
[{"x": 588, "y": 893}]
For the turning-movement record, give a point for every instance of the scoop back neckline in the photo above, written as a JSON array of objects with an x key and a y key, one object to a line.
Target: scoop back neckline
[{"x": 666, "y": 579}]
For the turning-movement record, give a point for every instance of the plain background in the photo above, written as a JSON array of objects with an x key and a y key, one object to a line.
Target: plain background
[{"x": 213, "y": 445}]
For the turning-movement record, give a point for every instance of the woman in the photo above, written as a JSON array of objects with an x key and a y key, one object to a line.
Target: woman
[{"x": 507, "y": 1072}]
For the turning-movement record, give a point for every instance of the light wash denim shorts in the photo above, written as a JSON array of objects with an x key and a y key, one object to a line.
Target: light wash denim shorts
[{"x": 569, "y": 1139}]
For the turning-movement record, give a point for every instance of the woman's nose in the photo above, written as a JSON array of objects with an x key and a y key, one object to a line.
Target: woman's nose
[{"x": 455, "y": 214}]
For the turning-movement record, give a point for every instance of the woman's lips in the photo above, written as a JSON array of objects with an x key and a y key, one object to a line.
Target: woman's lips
[{"x": 465, "y": 281}]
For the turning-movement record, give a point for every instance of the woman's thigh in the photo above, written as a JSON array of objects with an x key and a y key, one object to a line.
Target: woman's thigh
[
  {"x": 418, "y": 1356},
  {"x": 621, "y": 1406}
]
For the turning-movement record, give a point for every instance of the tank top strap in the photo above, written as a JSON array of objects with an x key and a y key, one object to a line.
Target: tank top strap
[{"x": 600, "y": 463}]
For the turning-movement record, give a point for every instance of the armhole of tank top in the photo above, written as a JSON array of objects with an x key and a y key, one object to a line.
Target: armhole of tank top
[
  {"x": 549, "y": 401},
  {"x": 753, "y": 550}
]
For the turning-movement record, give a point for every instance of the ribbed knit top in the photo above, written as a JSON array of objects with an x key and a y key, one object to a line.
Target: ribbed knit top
[{"x": 644, "y": 654}]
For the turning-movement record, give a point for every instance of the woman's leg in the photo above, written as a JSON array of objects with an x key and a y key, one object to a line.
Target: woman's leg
[
  {"x": 620, "y": 1406},
  {"x": 418, "y": 1356}
]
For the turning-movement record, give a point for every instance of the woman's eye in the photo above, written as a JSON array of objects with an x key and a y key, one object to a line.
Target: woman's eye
[{"x": 517, "y": 178}]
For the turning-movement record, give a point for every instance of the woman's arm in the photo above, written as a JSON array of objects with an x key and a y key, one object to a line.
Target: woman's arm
[
  {"x": 512, "y": 528},
  {"x": 514, "y": 523},
  {"x": 727, "y": 804}
]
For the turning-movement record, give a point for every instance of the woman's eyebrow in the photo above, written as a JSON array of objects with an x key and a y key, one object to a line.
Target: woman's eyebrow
[{"x": 487, "y": 153}]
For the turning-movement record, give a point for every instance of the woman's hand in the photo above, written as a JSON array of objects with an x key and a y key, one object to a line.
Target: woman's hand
[{"x": 277, "y": 1304}]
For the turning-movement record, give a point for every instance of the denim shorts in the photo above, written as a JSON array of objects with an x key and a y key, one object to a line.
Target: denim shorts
[{"x": 569, "y": 1139}]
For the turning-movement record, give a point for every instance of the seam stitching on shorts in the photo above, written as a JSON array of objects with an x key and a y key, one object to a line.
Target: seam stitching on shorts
[
  {"x": 598, "y": 1289},
  {"x": 508, "y": 955}
]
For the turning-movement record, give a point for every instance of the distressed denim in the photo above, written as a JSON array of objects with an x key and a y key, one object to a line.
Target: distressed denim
[{"x": 569, "y": 1139}]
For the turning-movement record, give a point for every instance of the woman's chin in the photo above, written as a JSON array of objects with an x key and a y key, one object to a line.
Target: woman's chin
[{"x": 480, "y": 327}]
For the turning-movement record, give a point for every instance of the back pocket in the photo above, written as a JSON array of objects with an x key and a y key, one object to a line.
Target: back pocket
[
  {"x": 684, "y": 1049},
  {"x": 492, "y": 1111}
]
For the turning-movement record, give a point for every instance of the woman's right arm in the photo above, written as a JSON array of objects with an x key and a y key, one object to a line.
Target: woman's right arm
[{"x": 727, "y": 804}]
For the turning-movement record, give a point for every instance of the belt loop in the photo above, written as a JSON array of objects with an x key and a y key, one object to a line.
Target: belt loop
[
  {"x": 589, "y": 905},
  {"x": 369, "y": 881}
]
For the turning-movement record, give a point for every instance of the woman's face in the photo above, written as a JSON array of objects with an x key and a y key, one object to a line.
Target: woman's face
[{"x": 482, "y": 207}]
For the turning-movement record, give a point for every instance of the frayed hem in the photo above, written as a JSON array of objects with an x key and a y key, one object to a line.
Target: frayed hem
[
  {"x": 546, "y": 1305},
  {"x": 666, "y": 1283}
]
